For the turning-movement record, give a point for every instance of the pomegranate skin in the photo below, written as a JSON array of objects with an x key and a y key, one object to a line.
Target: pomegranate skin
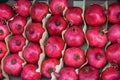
[
  {"x": 54, "y": 47},
  {"x": 3, "y": 49},
  {"x": 96, "y": 57},
  {"x": 17, "y": 25},
  {"x": 13, "y": 64},
  {"x": 39, "y": 11},
  {"x": 95, "y": 15},
  {"x": 96, "y": 37},
  {"x": 110, "y": 74},
  {"x": 1, "y": 74},
  {"x": 29, "y": 72},
  {"x": 114, "y": 13},
  {"x": 32, "y": 52},
  {"x": 113, "y": 53},
  {"x": 56, "y": 25},
  {"x": 88, "y": 73},
  {"x": 49, "y": 66},
  {"x": 114, "y": 33},
  {"x": 4, "y": 32},
  {"x": 74, "y": 15},
  {"x": 74, "y": 36},
  {"x": 22, "y": 7},
  {"x": 34, "y": 32},
  {"x": 16, "y": 43},
  {"x": 74, "y": 57},
  {"x": 68, "y": 73},
  {"x": 58, "y": 6},
  {"x": 6, "y": 12}
]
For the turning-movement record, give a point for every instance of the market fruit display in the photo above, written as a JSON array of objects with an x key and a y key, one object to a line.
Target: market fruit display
[
  {"x": 34, "y": 32},
  {"x": 56, "y": 25},
  {"x": 31, "y": 53},
  {"x": 6, "y": 12},
  {"x": 58, "y": 6},
  {"x": 16, "y": 43},
  {"x": 17, "y": 25},
  {"x": 39, "y": 11},
  {"x": 13, "y": 64},
  {"x": 3, "y": 49},
  {"x": 74, "y": 57},
  {"x": 67, "y": 73},
  {"x": 88, "y": 73},
  {"x": 113, "y": 33},
  {"x": 22, "y": 7},
  {"x": 96, "y": 37},
  {"x": 74, "y": 36},
  {"x": 49, "y": 66},
  {"x": 4, "y": 32},
  {"x": 54, "y": 46},
  {"x": 95, "y": 15},
  {"x": 113, "y": 13},
  {"x": 96, "y": 55},
  {"x": 29, "y": 72},
  {"x": 110, "y": 73},
  {"x": 74, "y": 15},
  {"x": 112, "y": 53},
  {"x": 59, "y": 40}
]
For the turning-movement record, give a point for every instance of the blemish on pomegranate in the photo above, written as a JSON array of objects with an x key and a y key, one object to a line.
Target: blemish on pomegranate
[
  {"x": 76, "y": 56},
  {"x": 1, "y": 32},
  {"x": 18, "y": 42},
  {"x": 1, "y": 50},
  {"x": 13, "y": 61},
  {"x": 59, "y": 8},
  {"x": 50, "y": 70},
  {"x": 18, "y": 26},
  {"x": 57, "y": 22},
  {"x": 31, "y": 31},
  {"x": 99, "y": 56}
]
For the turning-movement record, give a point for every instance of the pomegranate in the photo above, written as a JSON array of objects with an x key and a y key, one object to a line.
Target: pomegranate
[
  {"x": 58, "y": 6},
  {"x": 54, "y": 46},
  {"x": 88, "y": 73},
  {"x": 67, "y": 73},
  {"x": 74, "y": 57},
  {"x": 114, "y": 33},
  {"x": 31, "y": 53},
  {"x": 13, "y": 64},
  {"x": 74, "y": 36},
  {"x": 39, "y": 11},
  {"x": 114, "y": 13},
  {"x": 29, "y": 72},
  {"x": 6, "y": 12},
  {"x": 17, "y": 25},
  {"x": 74, "y": 15},
  {"x": 16, "y": 43},
  {"x": 4, "y": 32},
  {"x": 49, "y": 66},
  {"x": 110, "y": 74},
  {"x": 95, "y": 15},
  {"x": 96, "y": 57},
  {"x": 96, "y": 37},
  {"x": 3, "y": 49},
  {"x": 56, "y": 24},
  {"x": 113, "y": 53},
  {"x": 22, "y": 7},
  {"x": 34, "y": 32}
]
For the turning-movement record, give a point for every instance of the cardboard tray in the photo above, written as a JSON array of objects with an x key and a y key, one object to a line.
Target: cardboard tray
[{"x": 80, "y": 3}]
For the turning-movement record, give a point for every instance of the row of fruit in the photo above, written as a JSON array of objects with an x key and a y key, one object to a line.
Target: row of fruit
[{"x": 45, "y": 40}]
